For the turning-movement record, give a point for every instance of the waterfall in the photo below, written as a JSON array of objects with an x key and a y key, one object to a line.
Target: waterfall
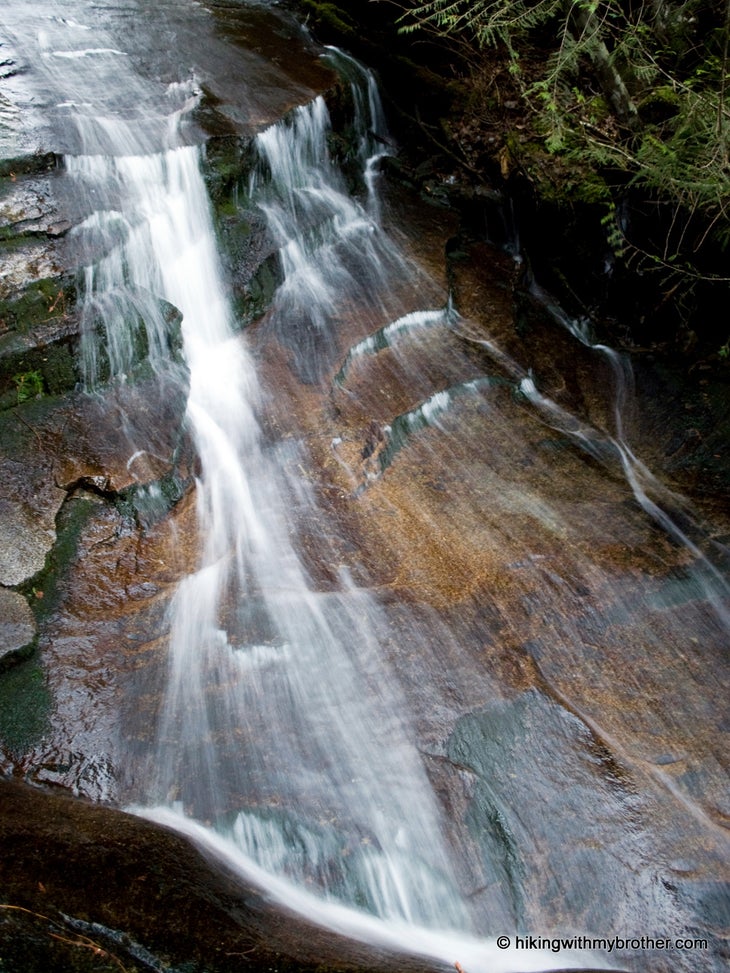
[
  {"x": 284, "y": 745},
  {"x": 281, "y": 723}
]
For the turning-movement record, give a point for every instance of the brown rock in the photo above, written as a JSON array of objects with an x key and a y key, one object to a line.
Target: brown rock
[{"x": 90, "y": 888}]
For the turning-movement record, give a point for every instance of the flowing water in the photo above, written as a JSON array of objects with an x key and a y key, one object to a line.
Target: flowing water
[
  {"x": 324, "y": 776},
  {"x": 280, "y": 724},
  {"x": 289, "y": 744},
  {"x": 666, "y": 508}
]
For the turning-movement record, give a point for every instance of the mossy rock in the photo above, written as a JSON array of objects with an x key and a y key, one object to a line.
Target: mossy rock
[
  {"x": 41, "y": 303},
  {"x": 27, "y": 165},
  {"x": 331, "y": 19},
  {"x": 228, "y": 164},
  {"x": 70, "y": 524},
  {"x": 29, "y": 374},
  {"x": 25, "y": 705},
  {"x": 660, "y": 105}
]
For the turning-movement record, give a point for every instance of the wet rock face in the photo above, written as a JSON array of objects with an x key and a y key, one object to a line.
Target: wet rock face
[
  {"x": 552, "y": 642},
  {"x": 17, "y": 627},
  {"x": 89, "y": 889},
  {"x": 50, "y": 445}
]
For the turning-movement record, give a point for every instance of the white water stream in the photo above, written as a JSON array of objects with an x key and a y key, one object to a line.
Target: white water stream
[
  {"x": 284, "y": 742},
  {"x": 285, "y": 746},
  {"x": 280, "y": 722}
]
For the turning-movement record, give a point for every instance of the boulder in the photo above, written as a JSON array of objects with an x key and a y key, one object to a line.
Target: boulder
[
  {"x": 17, "y": 626},
  {"x": 89, "y": 888}
]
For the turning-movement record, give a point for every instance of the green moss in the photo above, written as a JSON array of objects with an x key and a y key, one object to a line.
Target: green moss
[
  {"x": 27, "y": 374},
  {"x": 597, "y": 109},
  {"x": 589, "y": 187},
  {"x": 29, "y": 385},
  {"x": 58, "y": 369},
  {"x": 226, "y": 207},
  {"x": 70, "y": 523},
  {"x": 559, "y": 180},
  {"x": 25, "y": 705},
  {"x": 330, "y": 17},
  {"x": 228, "y": 162},
  {"x": 33, "y": 359},
  {"x": 40, "y": 301}
]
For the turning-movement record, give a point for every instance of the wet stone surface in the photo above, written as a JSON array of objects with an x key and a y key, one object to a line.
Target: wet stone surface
[
  {"x": 89, "y": 889},
  {"x": 17, "y": 626},
  {"x": 553, "y": 644}
]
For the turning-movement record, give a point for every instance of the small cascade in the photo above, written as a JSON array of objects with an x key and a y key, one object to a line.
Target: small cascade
[
  {"x": 124, "y": 320},
  {"x": 330, "y": 246},
  {"x": 426, "y": 414},
  {"x": 385, "y": 336},
  {"x": 371, "y": 128},
  {"x": 668, "y": 510}
]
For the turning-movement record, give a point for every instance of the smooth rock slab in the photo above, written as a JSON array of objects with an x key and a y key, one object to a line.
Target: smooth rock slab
[
  {"x": 77, "y": 878},
  {"x": 17, "y": 626},
  {"x": 88, "y": 889},
  {"x": 24, "y": 542}
]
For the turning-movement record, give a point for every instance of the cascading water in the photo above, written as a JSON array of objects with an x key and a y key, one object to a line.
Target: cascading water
[
  {"x": 373, "y": 142},
  {"x": 663, "y": 506},
  {"x": 280, "y": 725},
  {"x": 284, "y": 744},
  {"x": 330, "y": 246}
]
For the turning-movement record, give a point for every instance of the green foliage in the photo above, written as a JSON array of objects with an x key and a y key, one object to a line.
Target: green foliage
[
  {"x": 29, "y": 385},
  {"x": 489, "y": 22},
  {"x": 614, "y": 236},
  {"x": 637, "y": 93}
]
